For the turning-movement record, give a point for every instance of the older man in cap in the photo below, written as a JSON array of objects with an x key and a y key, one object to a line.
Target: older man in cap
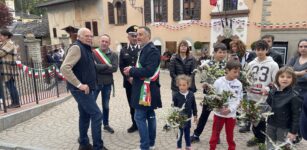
[{"x": 128, "y": 57}]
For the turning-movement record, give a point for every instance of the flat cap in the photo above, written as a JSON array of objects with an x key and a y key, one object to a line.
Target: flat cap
[{"x": 132, "y": 29}]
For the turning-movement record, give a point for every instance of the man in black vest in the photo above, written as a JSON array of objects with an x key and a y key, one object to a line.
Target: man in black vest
[
  {"x": 128, "y": 57},
  {"x": 79, "y": 70}
]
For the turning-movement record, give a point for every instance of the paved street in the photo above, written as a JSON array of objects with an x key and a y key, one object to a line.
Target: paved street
[{"x": 57, "y": 128}]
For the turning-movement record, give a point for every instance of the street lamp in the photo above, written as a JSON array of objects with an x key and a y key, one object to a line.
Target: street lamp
[{"x": 140, "y": 9}]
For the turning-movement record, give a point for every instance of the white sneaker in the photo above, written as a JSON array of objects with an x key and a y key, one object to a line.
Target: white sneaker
[{"x": 152, "y": 148}]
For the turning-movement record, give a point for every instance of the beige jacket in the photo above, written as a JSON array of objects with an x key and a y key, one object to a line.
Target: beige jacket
[
  {"x": 8, "y": 56},
  {"x": 72, "y": 57}
]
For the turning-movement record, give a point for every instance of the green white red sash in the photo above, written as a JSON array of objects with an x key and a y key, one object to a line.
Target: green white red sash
[
  {"x": 145, "y": 94},
  {"x": 103, "y": 58}
]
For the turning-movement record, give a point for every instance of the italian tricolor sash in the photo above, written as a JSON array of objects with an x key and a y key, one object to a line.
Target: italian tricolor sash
[
  {"x": 103, "y": 58},
  {"x": 145, "y": 95}
]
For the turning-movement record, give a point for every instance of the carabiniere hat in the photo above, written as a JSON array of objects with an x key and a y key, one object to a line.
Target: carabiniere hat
[{"x": 132, "y": 29}]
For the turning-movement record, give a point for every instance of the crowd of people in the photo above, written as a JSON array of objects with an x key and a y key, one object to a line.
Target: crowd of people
[{"x": 282, "y": 88}]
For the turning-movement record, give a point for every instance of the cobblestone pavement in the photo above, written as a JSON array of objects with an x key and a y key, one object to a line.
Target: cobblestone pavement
[{"x": 57, "y": 128}]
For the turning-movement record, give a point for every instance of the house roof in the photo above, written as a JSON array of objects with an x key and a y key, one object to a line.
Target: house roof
[
  {"x": 53, "y": 2},
  {"x": 26, "y": 15},
  {"x": 71, "y": 29},
  {"x": 37, "y": 27}
]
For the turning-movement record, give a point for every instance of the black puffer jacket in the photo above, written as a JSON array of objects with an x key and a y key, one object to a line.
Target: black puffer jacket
[
  {"x": 276, "y": 57},
  {"x": 286, "y": 106},
  {"x": 178, "y": 66}
]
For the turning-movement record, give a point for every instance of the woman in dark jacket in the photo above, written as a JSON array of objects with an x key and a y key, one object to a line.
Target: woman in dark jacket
[
  {"x": 286, "y": 107},
  {"x": 182, "y": 63}
]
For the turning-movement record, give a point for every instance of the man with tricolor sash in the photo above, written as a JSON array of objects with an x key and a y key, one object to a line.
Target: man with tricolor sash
[
  {"x": 146, "y": 88},
  {"x": 106, "y": 65},
  {"x": 8, "y": 56}
]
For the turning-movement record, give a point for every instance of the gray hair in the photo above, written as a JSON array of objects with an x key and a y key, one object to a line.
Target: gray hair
[
  {"x": 106, "y": 35},
  {"x": 81, "y": 30},
  {"x": 147, "y": 30}
]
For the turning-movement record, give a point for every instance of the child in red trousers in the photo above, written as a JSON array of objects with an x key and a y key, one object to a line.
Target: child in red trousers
[{"x": 227, "y": 114}]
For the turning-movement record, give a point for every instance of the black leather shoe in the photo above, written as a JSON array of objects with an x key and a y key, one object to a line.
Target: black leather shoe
[
  {"x": 109, "y": 129},
  {"x": 87, "y": 147},
  {"x": 13, "y": 106},
  {"x": 133, "y": 128}
]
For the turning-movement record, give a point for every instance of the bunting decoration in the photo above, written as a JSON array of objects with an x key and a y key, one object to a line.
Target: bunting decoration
[
  {"x": 37, "y": 72},
  {"x": 235, "y": 22}
]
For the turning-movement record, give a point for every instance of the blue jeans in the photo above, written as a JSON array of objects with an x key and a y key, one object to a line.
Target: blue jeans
[
  {"x": 88, "y": 111},
  {"x": 147, "y": 130},
  {"x": 105, "y": 98},
  {"x": 10, "y": 84},
  {"x": 186, "y": 131}
]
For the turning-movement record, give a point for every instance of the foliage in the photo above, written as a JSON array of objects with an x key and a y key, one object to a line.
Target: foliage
[
  {"x": 214, "y": 100},
  {"x": 249, "y": 111},
  {"x": 210, "y": 73},
  {"x": 245, "y": 78},
  {"x": 176, "y": 118},
  {"x": 198, "y": 45},
  {"x": 253, "y": 112},
  {"x": 5, "y": 16},
  {"x": 29, "y": 6}
]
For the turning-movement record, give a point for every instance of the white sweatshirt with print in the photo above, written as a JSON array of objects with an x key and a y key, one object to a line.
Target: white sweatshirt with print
[
  {"x": 235, "y": 86},
  {"x": 264, "y": 73}
]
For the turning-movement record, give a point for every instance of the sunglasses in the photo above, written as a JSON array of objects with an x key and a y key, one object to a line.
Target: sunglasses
[{"x": 305, "y": 46}]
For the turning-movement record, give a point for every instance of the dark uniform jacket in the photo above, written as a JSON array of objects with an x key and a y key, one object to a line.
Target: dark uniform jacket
[
  {"x": 150, "y": 60},
  {"x": 276, "y": 57},
  {"x": 178, "y": 66},
  {"x": 286, "y": 106},
  {"x": 104, "y": 71},
  {"x": 127, "y": 57}
]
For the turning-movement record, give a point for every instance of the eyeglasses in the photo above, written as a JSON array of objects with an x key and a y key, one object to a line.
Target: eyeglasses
[{"x": 305, "y": 46}]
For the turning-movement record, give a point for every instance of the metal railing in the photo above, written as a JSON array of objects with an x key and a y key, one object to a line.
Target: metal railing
[{"x": 34, "y": 82}]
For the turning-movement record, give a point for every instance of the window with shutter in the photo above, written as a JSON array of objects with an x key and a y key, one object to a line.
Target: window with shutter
[
  {"x": 147, "y": 11},
  {"x": 111, "y": 13},
  {"x": 188, "y": 9},
  {"x": 121, "y": 16},
  {"x": 164, "y": 11},
  {"x": 157, "y": 10},
  {"x": 230, "y": 5},
  {"x": 55, "y": 35},
  {"x": 95, "y": 28},
  {"x": 88, "y": 25},
  {"x": 176, "y": 10},
  {"x": 197, "y": 10},
  {"x": 124, "y": 12}
]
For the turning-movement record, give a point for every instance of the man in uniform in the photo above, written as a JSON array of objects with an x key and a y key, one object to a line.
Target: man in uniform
[{"x": 128, "y": 57}]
